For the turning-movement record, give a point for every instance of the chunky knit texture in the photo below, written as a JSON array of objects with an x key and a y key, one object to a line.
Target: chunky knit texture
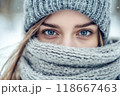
[
  {"x": 44, "y": 61},
  {"x": 97, "y": 10}
]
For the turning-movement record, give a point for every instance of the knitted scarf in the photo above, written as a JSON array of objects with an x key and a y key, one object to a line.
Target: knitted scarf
[{"x": 45, "y": 61}]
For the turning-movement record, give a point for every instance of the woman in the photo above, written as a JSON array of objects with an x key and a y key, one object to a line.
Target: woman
[{"x": 65, "y": 39}]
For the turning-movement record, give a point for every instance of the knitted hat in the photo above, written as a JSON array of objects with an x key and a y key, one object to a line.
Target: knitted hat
[{"x": 96, "y": 10}]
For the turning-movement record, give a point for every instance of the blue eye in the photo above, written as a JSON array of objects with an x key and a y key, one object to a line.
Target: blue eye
[
  {"x": 49, "y": 32},
  {"x": 85, "y": 33}
]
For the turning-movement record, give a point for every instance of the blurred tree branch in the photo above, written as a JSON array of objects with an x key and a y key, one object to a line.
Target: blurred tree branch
[
  {"x": 10, "y": 7},
  {"x": 5, "y": 6}
]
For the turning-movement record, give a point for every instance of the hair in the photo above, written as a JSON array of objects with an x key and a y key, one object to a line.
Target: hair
[
  {"x": 12, "y": 71},
  {"x": 100, "y": 38}
]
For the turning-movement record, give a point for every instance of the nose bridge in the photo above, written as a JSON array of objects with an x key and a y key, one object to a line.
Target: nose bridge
[{"x": 67, "y": 40}]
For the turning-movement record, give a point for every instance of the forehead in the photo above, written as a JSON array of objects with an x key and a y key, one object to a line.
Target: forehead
[{"x": 68, "y": 16}]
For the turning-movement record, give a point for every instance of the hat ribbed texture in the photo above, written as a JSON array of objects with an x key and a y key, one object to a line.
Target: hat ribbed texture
[{"x": 97, "y": 10}]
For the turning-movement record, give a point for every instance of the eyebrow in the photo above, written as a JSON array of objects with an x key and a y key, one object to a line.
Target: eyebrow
[
  {"x": 77, "y": 26},
  {"x": 85, "y": 25}
]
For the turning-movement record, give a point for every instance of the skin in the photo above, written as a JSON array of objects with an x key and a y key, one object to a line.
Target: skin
[{"x": 69, "y": 28}]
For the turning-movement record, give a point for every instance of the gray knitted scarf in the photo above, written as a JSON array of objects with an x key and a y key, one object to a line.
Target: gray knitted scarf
[{"x": 45, "y": 61}]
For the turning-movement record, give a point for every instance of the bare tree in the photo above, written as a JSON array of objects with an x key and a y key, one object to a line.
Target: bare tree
[
  {"x": 118, "y": 6},
  {"x": 5, "y": 6},
  {"x": 9, "y": 7}
]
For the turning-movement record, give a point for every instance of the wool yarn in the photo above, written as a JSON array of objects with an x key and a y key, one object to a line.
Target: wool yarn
[
  {"x": 45, "y": 61},
  {"x": 97, "y": 10}
]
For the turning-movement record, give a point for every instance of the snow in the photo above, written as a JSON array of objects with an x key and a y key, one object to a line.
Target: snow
[
  {"x": 11, "y": 31},
  {"x": 115, "y": 27}
]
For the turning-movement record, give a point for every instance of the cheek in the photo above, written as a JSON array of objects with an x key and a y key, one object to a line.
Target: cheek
[
  {"x": 74, "y": 42},
  {"x": 43, "y": 39},
  {"x": 94, "y": 40},
  {"x": 89, "y": 43},
  {"x": 92, "y": 43}
]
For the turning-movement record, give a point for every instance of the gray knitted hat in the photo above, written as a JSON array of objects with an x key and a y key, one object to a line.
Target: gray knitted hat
[{"x": 97, "y": 10}]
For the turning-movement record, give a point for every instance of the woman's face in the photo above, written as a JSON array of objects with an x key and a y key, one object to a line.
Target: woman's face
[{"x": 69, "y": 28}]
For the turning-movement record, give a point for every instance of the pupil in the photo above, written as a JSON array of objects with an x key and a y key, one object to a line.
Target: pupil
[
  {"x": 50, "y": 32},
  {"x": 84, "y": 33}
]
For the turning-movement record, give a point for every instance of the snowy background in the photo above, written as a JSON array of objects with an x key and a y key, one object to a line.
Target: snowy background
[{"x": 11, "y": 25}]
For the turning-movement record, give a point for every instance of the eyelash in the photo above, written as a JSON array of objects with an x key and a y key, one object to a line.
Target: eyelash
[
  {"x": 80, "y": 36},
  {"x": 84, "y": 30},
  {"x": 49, "y": 36}
]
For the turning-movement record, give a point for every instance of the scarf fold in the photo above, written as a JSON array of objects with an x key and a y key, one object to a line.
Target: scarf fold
[{"x": 45, "y": 61}]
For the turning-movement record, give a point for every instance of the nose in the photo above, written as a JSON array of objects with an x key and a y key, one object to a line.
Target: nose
[{"x": 68, "y": 41}]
